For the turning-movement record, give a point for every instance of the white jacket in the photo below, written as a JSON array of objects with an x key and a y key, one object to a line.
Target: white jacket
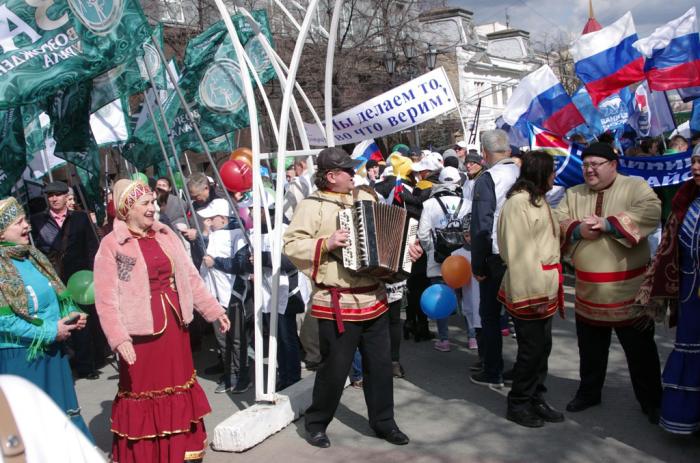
[{"x": 433, "y": 218}]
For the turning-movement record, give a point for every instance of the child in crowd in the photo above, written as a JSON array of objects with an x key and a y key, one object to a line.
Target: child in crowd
[{"x": 226, "y": 269}]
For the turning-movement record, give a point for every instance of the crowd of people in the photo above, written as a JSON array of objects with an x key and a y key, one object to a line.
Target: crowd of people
[{"x": 497, "y": 207}]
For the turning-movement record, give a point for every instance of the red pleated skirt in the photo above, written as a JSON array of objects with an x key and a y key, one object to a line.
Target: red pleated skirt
[{"x": 157, "y": 414}]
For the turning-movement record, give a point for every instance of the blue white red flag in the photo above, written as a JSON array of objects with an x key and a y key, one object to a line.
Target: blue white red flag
[
  {"x": 672, "y": 54},
  {"x": 541, "y": 99},
  {"x": 606, "y": 61},
  {"x": 366, "y": 150}
]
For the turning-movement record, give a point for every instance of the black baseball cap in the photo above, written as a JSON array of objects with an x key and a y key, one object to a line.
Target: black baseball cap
[
  {"x": 335, "y": 158},
  {"x": 56, "y": 187}
]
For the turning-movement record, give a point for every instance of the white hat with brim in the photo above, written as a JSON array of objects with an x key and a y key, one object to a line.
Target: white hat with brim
[
  {"x": 218, "y": 207},
  {"x": 427, "y": 163}
]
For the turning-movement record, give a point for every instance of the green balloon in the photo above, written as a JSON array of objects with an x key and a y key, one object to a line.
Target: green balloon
[
  {"x": 179, "y": 182},
  {"x": 81, "y": 287},
  {"x": 140, "y": 176}
]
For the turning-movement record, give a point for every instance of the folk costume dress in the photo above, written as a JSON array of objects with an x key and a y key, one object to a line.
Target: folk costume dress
[
  {"x": 528, "y": 240},
  {"x": 351, "y": 310},
  {"x": 609, "y": 273},
  {"x": 675, "y": 278},
  {"x": 157, "y": 414},
  {"x": 28, "y": 346}
]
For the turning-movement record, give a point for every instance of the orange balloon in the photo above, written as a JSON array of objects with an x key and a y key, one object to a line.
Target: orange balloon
[
  {"x": 242, "y": 154},
  {"x": 456, "y": 271}
]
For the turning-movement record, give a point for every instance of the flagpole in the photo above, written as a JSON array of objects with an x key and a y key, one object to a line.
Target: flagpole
[
  {"x": 45, "y": 162},
  {"x": 232, "y": 203},
  {"x": 190, "y": 204},
  {"x": 93, "y": 227}
]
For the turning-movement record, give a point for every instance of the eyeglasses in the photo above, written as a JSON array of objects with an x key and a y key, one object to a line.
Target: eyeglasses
[{"x": 593, "y": 165}]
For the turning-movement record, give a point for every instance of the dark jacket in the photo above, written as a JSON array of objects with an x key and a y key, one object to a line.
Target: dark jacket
[
  {"x": 411, "y": 201},
  {"x": 483, "y": 209},
  {"x": 75, "y": 252}
]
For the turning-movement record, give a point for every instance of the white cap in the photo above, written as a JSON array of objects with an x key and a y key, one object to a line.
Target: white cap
[
  {"x": 437, "y": 156},
  {"x": 218, "y": 207},
  {"x": 449, "y": 176},
  {"x": 462, "y": 144},
  {"x": 427, "y": 163}
]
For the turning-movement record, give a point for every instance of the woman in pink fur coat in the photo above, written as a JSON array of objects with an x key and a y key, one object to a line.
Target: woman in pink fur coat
[{"x": 146, "y": 289}]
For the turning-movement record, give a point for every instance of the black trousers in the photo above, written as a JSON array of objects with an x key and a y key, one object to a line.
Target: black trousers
[
  {"x": 235, "y": 343},
  {"x": 530, "y": 370},
  {"x": 395, "y": 329},
  {"x": 642, "y": 361},
  {"x": 490, "y": 308},
  {"x": 337, "y": 351},
  {"x": 416, "y": 284}
]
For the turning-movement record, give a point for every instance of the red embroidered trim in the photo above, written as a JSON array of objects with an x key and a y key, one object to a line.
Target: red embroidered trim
[
  {"x": 609, "y": 277},
  {"x": 615, "y": 222},
  {"x": 317, "y": 259}
]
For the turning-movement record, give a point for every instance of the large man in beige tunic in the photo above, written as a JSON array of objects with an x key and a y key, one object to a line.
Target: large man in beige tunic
[{"x": 605, "y": 223}]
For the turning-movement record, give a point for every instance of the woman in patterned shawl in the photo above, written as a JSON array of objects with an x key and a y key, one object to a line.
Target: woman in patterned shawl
[{"x": 36, "y": 315}]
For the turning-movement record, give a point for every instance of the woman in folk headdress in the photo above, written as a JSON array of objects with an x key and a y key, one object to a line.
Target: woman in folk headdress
[
  {"x": 36, "y": 314},
  {"x": 157, "y": 414}
]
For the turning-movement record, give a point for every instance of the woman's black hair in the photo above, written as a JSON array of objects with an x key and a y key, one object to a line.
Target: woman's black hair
[{"x": 535, "y": 171}]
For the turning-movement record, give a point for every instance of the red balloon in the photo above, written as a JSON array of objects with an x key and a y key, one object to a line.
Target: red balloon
[
  {"x": 237, "y": 176},
  {"x": 456, "y": 271}
]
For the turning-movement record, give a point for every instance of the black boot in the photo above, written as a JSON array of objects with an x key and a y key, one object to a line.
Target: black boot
[{"x": 524, "y": 416}]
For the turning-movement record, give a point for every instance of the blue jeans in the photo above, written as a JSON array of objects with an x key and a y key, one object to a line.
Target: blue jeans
[
  {"x": 442, "y": 325},
  {"x": 356, "y": 372}
]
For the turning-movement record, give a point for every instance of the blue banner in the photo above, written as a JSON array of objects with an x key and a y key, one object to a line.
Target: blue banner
[{"x": 658, "y": 171}]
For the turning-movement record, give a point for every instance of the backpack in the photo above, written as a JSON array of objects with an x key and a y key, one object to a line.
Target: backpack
[{"x": 450, "y": 238}]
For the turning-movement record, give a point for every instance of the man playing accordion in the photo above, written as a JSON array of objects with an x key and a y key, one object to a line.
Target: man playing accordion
[{"x": 351, "y": 308}]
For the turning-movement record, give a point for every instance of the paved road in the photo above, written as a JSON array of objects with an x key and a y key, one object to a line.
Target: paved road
[{"x": 448, "y": 418}]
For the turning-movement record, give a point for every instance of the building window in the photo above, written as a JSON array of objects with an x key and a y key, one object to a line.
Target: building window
[
  {"x": 494, "y": 94},
  {"x": 171, "y": 11},
  {"x": 504, "y": 95}
]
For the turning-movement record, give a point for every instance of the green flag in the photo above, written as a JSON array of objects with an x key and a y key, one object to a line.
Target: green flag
[
  {"x": 12, "y": 149},
  {"x": 132, "y": 76},
  {"x": 58, "y": 43},
  {"x": 212, "y": 77},
  {"x": 36, "y": 128},
  {"x": 69, "y": 111},
  {"x": 211, "y": 85}
]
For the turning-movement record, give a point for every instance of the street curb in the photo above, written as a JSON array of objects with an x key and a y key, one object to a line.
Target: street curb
[{"x": 247, "y": 428}]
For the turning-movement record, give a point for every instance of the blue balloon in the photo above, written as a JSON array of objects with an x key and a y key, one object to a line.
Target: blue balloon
[{"x": 438, "y": 301}]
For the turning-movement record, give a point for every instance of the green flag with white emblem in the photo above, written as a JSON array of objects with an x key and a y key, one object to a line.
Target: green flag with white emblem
[{"x": 48, "y": 45}]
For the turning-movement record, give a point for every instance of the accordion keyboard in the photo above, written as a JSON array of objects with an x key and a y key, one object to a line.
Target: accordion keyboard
[
  {"x": 411, "y": 235},
  {"x": 350, "y": 258}
]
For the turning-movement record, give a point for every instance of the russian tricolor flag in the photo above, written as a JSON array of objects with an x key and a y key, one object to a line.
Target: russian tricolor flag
[
  {"x": 606, "y": 61},
  {"x": 364, "y": 151},
  {"x": 542, "y": 100},
  {"x": 672, "y": 54}
]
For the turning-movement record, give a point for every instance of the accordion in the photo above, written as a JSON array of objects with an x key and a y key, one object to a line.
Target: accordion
[{"x": 380, "y": 235}]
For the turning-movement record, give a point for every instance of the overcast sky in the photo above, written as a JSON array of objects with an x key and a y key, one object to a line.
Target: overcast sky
[{"x": 564, "y": 16}]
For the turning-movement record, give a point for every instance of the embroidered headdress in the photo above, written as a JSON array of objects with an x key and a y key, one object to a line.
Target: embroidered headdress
[{"x": 126, "y": 193}]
